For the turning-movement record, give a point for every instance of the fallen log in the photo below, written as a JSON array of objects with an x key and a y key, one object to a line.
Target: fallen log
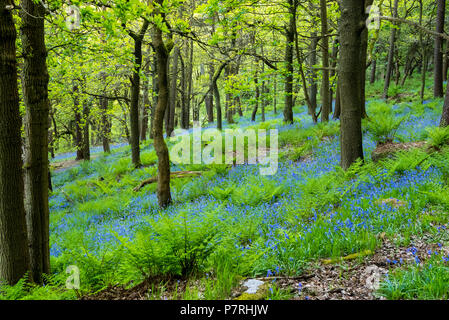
[{"x": 176, "y": 174}]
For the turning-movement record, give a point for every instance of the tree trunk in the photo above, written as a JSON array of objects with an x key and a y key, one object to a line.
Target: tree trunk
[
  {"x": 186, "y": 113},
  {"x": 105, "y": 125},
  {"x": 163, "y": 188},
  {"x": 444, "y": 121},
  {"x": 335, "y": 46},
  {"x": 14, "y": 254},
  {"x": 290, "y": 38},
  {"x": 264, "y": 92},
  {"x": 145, "y": 102},
  {"x": 325, "y": 98},
  {"x": 35, "y": 94},
  {"x": 423, "y": 54},
  {"x": 228, "y": 109},
  {"x": 391, "y": 52},
  {"x": 173, "y": 96},
  {"x": 86, "y": 132},
  {"x": 135, "y": 93},
  {"x": 275, "y": 100},
  {"x": 256, "y": 85},
  {"x": 337, "y": 110},
  {"x": 155, "y": 88},
  {"x": 373, "y": 71},
  {"x": 78, "y": 130},
  {"x": 217, "y": 105},
  {"x": 438, "y": 52},
  {"x": 445, "y": 61},
  {"x": 363, "y": 60},
  {"x": 210, "y": 96},
  {"x": 352, "y": 17},
  {"x": 312, "y": 75}
]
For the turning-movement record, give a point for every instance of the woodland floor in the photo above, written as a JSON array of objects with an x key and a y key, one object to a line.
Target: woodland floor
[{"x": 311, "y": 231}]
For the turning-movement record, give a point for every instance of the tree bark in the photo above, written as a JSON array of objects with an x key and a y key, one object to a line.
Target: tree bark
[
  {"x": 163, "y": 188},
  {"x": 312, "y": 76},
  {"x": 105, "y": 125},
  {"x": 78, "y": 131},
  {"x": 444, "y": 121},
  {"x": 438, "y": 52},
  {"x": 35, "y": 94},
  {"x": 186, "y": 111},
  {"x": 325, "y": 97},
  {"x": 373, "y": 71},
  {"x": 155, "y": 89},
  {"x": 351, "y": 24},
  {"x": 14, "y": 254},
  {"x": 290, "y": 38},
  {"x": 173, "y": 96},
  {"x": 256, "y": 85},
  {"x": 391, "y": 52},
  {"x": 135, "y": 93},
  {"x": 145, "y": 103},
  {"x": 86, "y": 131},
  {"x": 333, "y": 72},
  {"x": 209, "y": 101}
]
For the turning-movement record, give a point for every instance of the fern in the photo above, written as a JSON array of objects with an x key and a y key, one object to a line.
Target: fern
[{"x": 438, "y": 136}]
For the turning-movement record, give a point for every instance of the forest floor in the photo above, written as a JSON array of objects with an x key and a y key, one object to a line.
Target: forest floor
[{"x": 310, "y": 231}]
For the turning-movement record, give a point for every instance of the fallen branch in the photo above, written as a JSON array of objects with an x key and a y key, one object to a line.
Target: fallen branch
[{"x": 176, "y": 174}]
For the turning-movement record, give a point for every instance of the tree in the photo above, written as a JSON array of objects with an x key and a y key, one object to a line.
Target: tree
[
  {"x": 290, "y": 39},
  {"x": 135, "y": 92},
  {"x": 14, "y": 254},
  {"x": 391, "y": 52},
  {"x": 351, "y": 26},
  {"x": 438, "y": 51},
  {"x": 35, "y": 95},
  {"x": 325, "y": 93},
  {"x": 162, "y": 53}
]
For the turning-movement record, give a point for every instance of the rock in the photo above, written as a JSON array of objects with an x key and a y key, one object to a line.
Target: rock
[{"x": 388, "y": 150}]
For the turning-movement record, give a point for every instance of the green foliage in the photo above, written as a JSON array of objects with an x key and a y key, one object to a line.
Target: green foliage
[
  {"x": 406, "y": 160},
  {"x": 176, "y": 246},
  {"x": 428, "y": 281},
  {"x": 383, "y": 127},
  {"x": 256, "y": 192},
  {"x": 54, "y": 289},
  {"x": 438, "y": 136}
]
